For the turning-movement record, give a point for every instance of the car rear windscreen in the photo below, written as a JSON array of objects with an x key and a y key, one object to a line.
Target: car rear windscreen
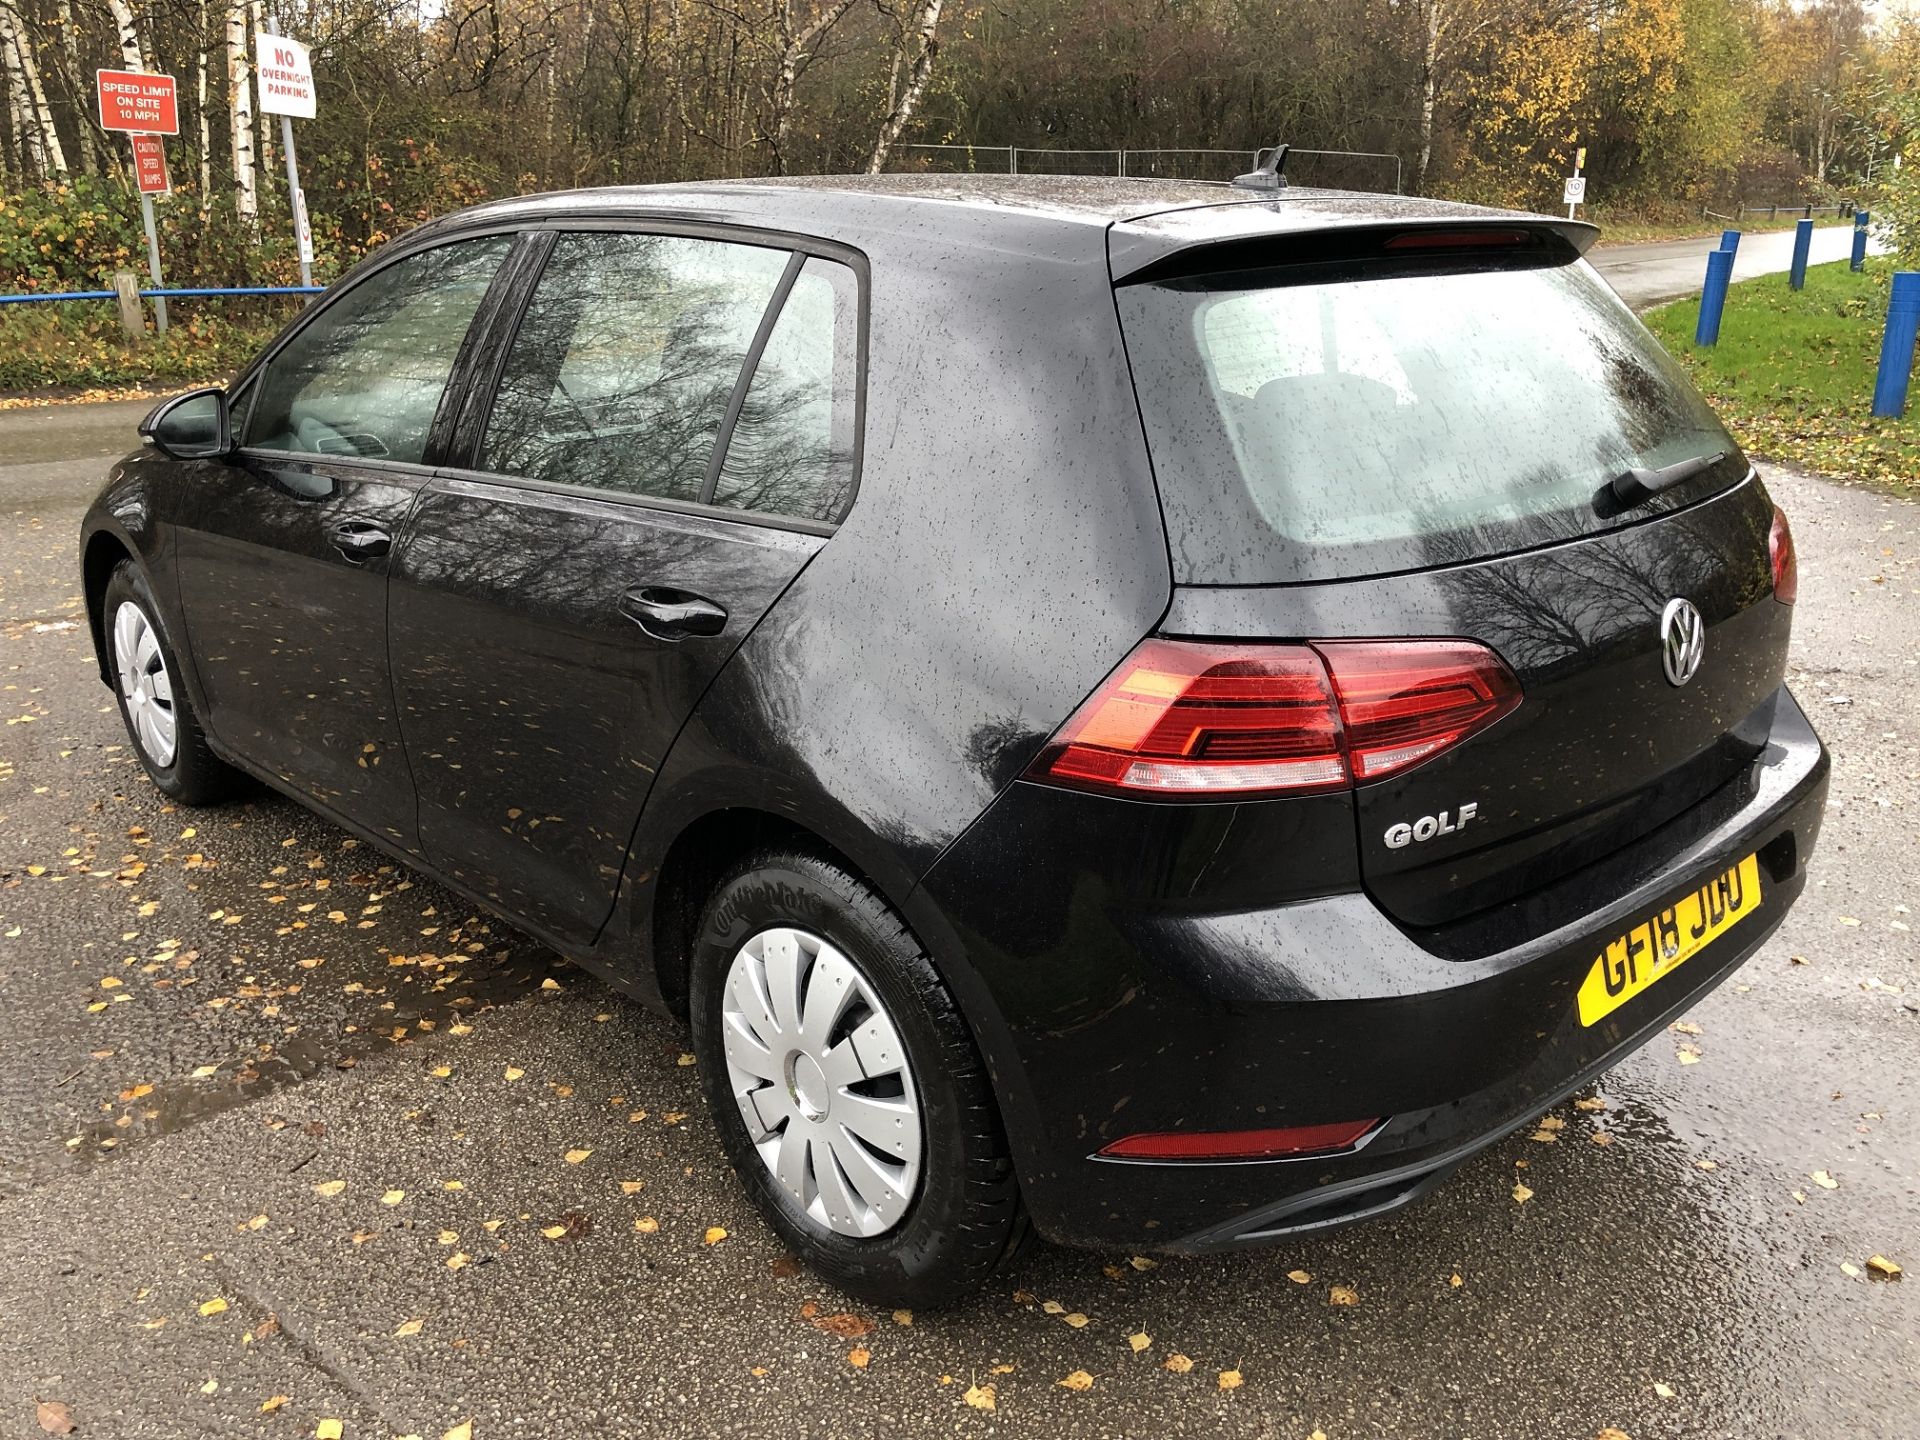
[{"x": 1317, "y": 423}]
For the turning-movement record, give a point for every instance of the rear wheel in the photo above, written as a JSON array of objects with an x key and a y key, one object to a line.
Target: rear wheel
[
  {"x": 847, "y": 1088},
  {"x": 158, "y": 713}
]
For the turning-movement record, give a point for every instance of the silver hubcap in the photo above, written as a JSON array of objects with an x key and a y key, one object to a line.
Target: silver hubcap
[
  {"x": 144, "y": 683},
  {"x": 822, "y": 1081}
]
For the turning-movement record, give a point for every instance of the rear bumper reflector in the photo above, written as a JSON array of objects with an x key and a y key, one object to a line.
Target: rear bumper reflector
[{"x": 1300, "y": 1140}]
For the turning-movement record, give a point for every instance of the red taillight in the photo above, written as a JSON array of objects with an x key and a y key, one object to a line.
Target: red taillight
[
  {"x": 1186, "y": 718},
  {"x": 1404, "y": 701},
  {"x": 1457, "y": 239},
  {"x": 1786, "y": 567},
  {"x": 1241, "y": 1144}
]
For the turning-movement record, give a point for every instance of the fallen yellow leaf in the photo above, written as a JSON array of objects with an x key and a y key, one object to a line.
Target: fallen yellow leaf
[
  {"x": 646, "y": 1225},
  {"x": 554, "y": 1232},
  {"x": 980, "y": 1397},
  {"x": 214, "y": 1306},
  {"x": 1342, "y": 1295},
  {"x": 1077, "y": 1320},
  {"x": 715, "y": 1234},
  {"x": 409, "y": 1327},
  {"x": 1078, "y": 1380},
  {"x": 514, "y": 1072},
  {"x": 393, "y": 1197},
  {"x": 1231, "y": 1380},
  {"x": 258, "y": 1222},
  {"x": 1883, "y": 1267},
  {"x": 574, "y": 1157},
  {"x": 327, "y": 1189},
  {"x": 903, "y": 1317},
  {"x": 1177, "y": 1363},
  {"x": 1825, "y": 1181},
  {"x": 1139, "y": 1340},
  {"x": 859, "y": 1356},
  {"x": 632, "y": 1187},
  {"x": 1521, "y": 1194},
  {"x": 327, "y": 1430},
  {"x": 1299, "y": 1277},
  {"x": 458, "y": 1260},
  {"x": 462, "y": 1431},
  {"x": 273, "y": 1403}
]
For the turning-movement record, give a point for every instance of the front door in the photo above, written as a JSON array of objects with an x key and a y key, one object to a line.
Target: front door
[
  {"x": 282, "y": 554},
  {"x": 560, "y": 605}
]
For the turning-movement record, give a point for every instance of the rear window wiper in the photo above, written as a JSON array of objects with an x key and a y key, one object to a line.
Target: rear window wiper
[{"x": 1637, "y": 486}]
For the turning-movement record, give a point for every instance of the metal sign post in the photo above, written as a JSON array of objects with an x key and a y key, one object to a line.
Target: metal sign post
[
  {"x": 145, "y": 106},
  {"x": 1576, "y": 187},
  {"x": 285, "y": 71}
]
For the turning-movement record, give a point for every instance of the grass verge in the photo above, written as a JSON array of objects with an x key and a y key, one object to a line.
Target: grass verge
[
  {"x": 60, "y": 348},
  {"x": 1793, "y": 373},
  {"x": 1632, "y": 230}
]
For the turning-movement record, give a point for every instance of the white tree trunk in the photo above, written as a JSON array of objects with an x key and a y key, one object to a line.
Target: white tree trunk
[
  {"x": 796, "y": 49},
  {"x": 18, "y": 111},
  {"x": 246, "y": 197},
  {"x": 1429, "y": 93},
  {"x": 917, "y": 77},
  {"x": 77, "y": 87},
  {"x": 206, "y": 129},
  {"x": 131, "y": 52},
  {"x": 45, "y": 144},
  {"x": 263, "y": 123}
]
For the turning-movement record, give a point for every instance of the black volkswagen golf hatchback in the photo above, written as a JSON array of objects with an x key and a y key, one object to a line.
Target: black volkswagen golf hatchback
[{"x": 1166, "y": 716}]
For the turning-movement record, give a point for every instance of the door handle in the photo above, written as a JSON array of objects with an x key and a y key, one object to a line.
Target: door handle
[
  {"x": 668, "y": 614},
  {"x": 360, "y": 539}
]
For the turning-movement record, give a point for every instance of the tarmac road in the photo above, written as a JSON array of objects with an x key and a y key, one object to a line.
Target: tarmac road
[
  {"x": 1647, "y": 274},
  {"x": 248, "y": 1061}
]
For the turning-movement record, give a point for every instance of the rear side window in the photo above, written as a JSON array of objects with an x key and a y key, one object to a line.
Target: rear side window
[
  {"x": 364, "y": 377},
  {"x": 623, "y": 365},
  {"x": 1357, "y": 426},
  {"x": 792, "y": 447}
]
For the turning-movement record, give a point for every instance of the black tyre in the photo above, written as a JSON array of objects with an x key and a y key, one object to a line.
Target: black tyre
[
  {"x": 847, "y": 1088},
  {"x": 154, "y": 704}
]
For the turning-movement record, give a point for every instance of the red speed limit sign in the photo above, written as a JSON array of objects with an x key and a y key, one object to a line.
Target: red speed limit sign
[{"x": 136, "y": 101}]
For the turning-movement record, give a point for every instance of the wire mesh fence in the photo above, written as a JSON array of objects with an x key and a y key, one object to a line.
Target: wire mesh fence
[{"x": 1335, "y": 169}]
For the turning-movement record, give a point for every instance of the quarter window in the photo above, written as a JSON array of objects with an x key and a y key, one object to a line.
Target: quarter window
[
  {"x": 621, "y": 371},
  {"x": 365, "y": 377},
  {"x": 792, "y": 448}
]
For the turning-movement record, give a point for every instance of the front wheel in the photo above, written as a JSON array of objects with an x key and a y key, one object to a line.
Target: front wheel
[
  {"x": 846, "y": 1086},
  {"x": 158, "y": 713}
]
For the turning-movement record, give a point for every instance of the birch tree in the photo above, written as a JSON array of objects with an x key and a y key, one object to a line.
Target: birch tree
[
  {"x": 131, "y": 51},
  {"x": 797, "y": 33},
  {"x": 79, "y": 93},
  {"x": 925, "y": 39},
  {"x": 240, "y": 109},
  {"x": 43, "y": 145},
  {"x": 200, "y": 107}
]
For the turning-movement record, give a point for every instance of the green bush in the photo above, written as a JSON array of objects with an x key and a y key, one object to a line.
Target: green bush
[{"x": 80, "y": 344}]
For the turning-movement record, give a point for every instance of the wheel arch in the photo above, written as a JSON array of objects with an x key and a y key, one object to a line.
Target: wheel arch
[{"x": 99, "y": 558}]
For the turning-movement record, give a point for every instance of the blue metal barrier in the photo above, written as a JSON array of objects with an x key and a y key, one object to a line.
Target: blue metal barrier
[
  {"x": 1859, "y": 241},
  {"x": 1897, "y": 344},
  {"x": 1713, "y": 297},
  {"x": 1730, "y": 240},
  {"x": 190, "y": 293},
  {"x": 1802, "y": 247}
]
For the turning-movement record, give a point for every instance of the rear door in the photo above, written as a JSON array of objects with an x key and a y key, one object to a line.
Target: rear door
[
  {"x": 282, "y": 552},
  {"x": 666, "y": 439},
  {"x": 1385, "y": 448}
]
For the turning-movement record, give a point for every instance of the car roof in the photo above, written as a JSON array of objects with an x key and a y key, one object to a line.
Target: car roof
[{"x": 1149, "y": 218}]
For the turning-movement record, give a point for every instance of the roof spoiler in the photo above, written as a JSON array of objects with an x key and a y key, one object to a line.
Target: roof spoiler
[{"x": 1160, "y": 251}]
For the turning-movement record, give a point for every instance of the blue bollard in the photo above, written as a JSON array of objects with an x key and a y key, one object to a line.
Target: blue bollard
[
  {"x": 1896, "y": 346},
  {"x": 1802, "y": 243},
  {"x": 1713, "y": 297},
  {"x": 1859, "y": 241},
  {"x": 1730, "y": 240}
]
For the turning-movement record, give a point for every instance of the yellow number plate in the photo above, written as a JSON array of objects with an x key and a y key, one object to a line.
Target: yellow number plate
[{"x": 1656, "y": 946}]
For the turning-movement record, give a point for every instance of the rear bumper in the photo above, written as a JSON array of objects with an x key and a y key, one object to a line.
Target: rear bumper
[{"x": 1109, "y": 1005}]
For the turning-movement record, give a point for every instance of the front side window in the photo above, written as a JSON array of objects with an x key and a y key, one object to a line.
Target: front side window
[
  {"x": 792, "y": 448},
  {"x": 621, "y": 371},
  {"x": 365, "y": 377}
]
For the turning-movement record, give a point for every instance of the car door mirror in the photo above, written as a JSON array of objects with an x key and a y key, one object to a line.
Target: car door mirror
[{"x": 193, "y": 426}]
